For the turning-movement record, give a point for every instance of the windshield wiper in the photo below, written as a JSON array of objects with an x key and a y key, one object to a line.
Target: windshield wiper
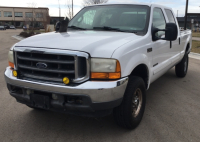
[
  {"x": 112, "y": 29},
  {"x": 75, "y": 27}
]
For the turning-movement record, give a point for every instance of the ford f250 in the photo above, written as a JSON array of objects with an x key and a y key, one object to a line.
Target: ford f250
[{"x": 100, "y": 62}]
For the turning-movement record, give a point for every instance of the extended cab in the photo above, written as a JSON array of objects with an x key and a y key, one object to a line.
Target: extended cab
[{"x": 102, "y": 61}]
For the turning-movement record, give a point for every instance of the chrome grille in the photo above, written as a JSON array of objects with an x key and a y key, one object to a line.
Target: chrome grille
[{"x": 57, "y": 66}]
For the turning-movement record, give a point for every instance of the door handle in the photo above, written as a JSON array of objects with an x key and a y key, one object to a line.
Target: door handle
[
  {"x": 170, "y": 44},
  {"x": 149, "y": 50}
]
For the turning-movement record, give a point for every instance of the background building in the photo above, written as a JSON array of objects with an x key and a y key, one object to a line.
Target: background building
[
  {"x": 54, "y": 20},
  {"x": 194, "y": 16},
  {"x": 22, "y": 16}
]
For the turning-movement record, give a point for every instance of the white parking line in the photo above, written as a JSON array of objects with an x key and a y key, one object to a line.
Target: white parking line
[{"x": 18, "y": 37}]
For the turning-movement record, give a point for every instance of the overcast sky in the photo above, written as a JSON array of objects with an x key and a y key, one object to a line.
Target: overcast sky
[{"x": 53, "y": 5}]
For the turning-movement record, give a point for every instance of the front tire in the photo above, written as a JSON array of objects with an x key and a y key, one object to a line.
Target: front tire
[
  {"x": 182, "y": 68},
  {"x": 129, "y": 114}
]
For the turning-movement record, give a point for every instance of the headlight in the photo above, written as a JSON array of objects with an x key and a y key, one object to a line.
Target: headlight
[
  {"x": 105, "y": 69},
  {"x": 10, "y": 57}
]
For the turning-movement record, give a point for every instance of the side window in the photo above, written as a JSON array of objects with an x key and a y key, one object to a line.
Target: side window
[
  {"x": 170, "y": 16},
  {"x": 159, "y": 21}
]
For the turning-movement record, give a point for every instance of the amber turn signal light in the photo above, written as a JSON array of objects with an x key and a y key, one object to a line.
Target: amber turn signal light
[{"x": 11, "y": 64}]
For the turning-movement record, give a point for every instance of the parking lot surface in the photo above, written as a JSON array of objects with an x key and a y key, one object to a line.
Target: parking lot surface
[{"x": 172, "y": 113}]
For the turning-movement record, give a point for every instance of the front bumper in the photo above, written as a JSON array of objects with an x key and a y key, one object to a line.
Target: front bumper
[{"x": 100, "y": 95}]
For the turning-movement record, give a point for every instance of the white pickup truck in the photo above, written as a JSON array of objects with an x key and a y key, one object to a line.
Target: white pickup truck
[{"x": 102, "y": 61}]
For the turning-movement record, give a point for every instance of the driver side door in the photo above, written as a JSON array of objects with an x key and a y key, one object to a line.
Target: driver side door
[{"x": 161, "y": 48}]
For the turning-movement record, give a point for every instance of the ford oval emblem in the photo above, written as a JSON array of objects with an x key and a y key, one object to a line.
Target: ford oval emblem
[{"x": 41, "y": 65}]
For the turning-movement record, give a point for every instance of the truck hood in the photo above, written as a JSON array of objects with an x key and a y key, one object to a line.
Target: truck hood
[{"x": 96, "y": 43}]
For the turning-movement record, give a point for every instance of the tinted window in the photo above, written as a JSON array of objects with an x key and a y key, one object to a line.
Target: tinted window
[
  {"x": 29, "y": 15},
  {"x": 123, "y": 17},
  {"x": 170, "y": 16},
  {"x": 18, "y": 14},
  {"x": 159, "y": 21},
  {"x": 39, "y": 15},
  {"x": 7, "y": 14}
]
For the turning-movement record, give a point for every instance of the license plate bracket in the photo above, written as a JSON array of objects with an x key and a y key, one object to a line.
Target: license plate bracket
[{"x": 40, "y": 101}]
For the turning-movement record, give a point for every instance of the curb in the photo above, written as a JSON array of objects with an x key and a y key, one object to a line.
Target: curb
[
  {"x": 192, "y": 53},
  {"x": 18, "y": 37}
]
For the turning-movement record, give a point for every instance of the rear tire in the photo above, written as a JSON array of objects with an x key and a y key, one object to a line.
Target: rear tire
[
  {"x": 182, "y": 68},
  {"x": 129, "y": 114}
]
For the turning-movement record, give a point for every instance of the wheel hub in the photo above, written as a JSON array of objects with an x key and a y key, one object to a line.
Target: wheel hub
[{"x": 137, "y": 102}]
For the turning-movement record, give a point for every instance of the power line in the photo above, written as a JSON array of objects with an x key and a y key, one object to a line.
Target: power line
[{"x": 72, "y": 8}]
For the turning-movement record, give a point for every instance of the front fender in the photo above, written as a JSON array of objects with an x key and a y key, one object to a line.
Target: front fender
[
  {"x": 133, "y": 62},
  {"x": 188, "y": 41},
  {"x": 130, "y": 60}
]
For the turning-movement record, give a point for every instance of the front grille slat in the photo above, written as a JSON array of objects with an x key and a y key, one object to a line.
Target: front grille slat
[
  {"x": 56, "y": 67},
  {"x": 45, "y": 70},
  {"x": 47, "y": 61}
]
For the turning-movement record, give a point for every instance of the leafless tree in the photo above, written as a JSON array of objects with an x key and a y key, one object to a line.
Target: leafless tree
[
  {"x": 31, "y": 19},
  {"x": 44, "y": 18},
  {"x": 68, "y": 6},
  {"x": 93, "y": 2}
]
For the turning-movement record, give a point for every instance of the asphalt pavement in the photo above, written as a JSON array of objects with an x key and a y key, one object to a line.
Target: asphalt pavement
[{"x": 172, "y": 113}]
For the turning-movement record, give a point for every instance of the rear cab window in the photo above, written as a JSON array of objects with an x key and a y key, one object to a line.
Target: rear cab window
[
  {"x": 159, "y": 21},
  {"x": 170, "y": 16}
]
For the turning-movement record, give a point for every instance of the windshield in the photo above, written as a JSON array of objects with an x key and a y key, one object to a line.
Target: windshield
[{"x": 132, "y": 18}]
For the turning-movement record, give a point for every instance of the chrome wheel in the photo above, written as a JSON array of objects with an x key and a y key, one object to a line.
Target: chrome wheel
[{"x": 137, "y": 102}]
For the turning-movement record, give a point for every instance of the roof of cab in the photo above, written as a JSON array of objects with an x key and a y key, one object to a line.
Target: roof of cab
[
  {"x": 122, "y": 3},
  {"x": 133, "y": 3}
]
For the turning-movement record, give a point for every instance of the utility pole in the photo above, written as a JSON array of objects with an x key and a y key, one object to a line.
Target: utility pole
[
  {"x": 177, "y": 13},
  {"x": 186, "y": 11},
  {"x": 59, "y": 9},
  {"x": 72, "y": 8},
  {"x": 14, "y": 16}
]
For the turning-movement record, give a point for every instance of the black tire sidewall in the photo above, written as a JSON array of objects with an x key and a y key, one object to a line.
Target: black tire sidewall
[
  {"x": 186, "y": 58},
  {"x": 180, "y": 68},
  {"x": 136, "y": 120},
  {"x": 123, "y": 113}
]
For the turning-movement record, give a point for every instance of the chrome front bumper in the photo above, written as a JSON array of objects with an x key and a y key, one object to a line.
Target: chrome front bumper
[{"x": 98, "y": 91}]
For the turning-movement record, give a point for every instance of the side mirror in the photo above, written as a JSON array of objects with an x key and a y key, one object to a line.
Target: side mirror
[
  {"x": 64, "y": 25},
  {"x": 57, "y": 26},
  {"x": 171, "y": 32},
  {"x": 61, "y": 26}
]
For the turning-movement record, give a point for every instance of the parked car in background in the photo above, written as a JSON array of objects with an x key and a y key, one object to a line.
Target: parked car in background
[
  {"x": 24, "y": 27},
  {"x": 7, "y": 26},
  {"x": 12, "y": 27},
  {"x": 2, "y": 28},
  {"x": 181, "y": 28}
]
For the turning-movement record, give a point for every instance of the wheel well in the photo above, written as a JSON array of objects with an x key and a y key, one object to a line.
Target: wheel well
[
  {"x": 141, "y": 71},
  {"x": 187, "y": 48}
]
